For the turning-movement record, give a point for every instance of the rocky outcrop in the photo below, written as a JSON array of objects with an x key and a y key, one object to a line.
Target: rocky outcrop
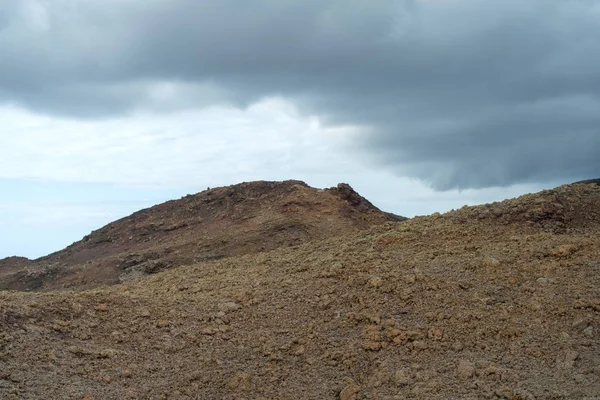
[{"x": 221, "y": 222}]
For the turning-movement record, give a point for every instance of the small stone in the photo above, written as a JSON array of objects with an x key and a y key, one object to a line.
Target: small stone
[
  {"x": 568, "y": 360},
  {"x": 240, "y": 382},
  {"x": 388, "y": 323},
  {"x": 375, "y": 281},
  {"x": 422, "y": 376},
  {"x": 414, "y": 335},
  {"x": 126, "y": 373},
  {"x": 392, "y": 333},
  {"x": 458, "y": 346},
  {"x": 131, "y": 394},
  {"x": 101, "y": 307},
  {"x": 373, "y": 333},
  {"x": 491, "y": 262},
  {"x": 492, "y": 370},
  {"x": 564, "y": 250},
  {"x": 229, "y": 306},
  {"x": 589, "y": 331},
  {"x": 465, "y": 369},
  {"x": 401, "y": 378},
  {"x": 350, "y": 391},
  {"x": 208, "y": 331},
  {"x": 504, "y": 393},
  {"x": 419, "y": 345},
  {"x": 571, "y": 356},
  {"x": 371, "y": 345},
  {"x": 299, "y": 350},
  {"x": 79, "y": 351},
  {"x": 162, "y": 323},
  {"x": 435, "y": 334},
  {"x": 543, "y": 281},
  {"x": 406, "y": 294},
  {"x": 107, "y": 353},
  {"x": 380, "y": 376},
  {"x": 580, "y": 325}
]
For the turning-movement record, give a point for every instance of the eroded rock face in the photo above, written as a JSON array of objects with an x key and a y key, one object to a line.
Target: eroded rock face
[{"x": 217, "y": 223}]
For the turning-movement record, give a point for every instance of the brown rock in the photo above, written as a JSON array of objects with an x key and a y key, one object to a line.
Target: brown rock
[
  {"x": 380, "y": 376},
  {"x": 435, "y": 334},
  {"x": 580, "y": 325},
  {"x": 350, "y": 391},
  {"x": 375, "y": 281},
  {"x": 208, "y": 331},
  {"x": 465, "y": 369},
  {"x": 567, "y": 361},
  {"x": 371, "y": 345},
  {"x": 229, "y": 306},
  {"x": 401, "y": 377},
  {"x": 419, "y": 345},
  {"x": 298, "y": 350},
  {"x": 241, "y": 381},
  {"x": 162, "y": 323}
]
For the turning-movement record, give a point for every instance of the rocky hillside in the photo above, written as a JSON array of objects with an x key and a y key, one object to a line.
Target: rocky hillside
[
  {"x": 500, "y": 301},
  {"x": 565, "y": 209},
  {"x": 217, "y": 223},
  {"x": 12, "y": 265}
]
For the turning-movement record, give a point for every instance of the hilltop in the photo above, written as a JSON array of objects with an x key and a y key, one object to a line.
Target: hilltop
[
  {"x": 216, "y": 223},
  {"x": 497, "y": 301}
]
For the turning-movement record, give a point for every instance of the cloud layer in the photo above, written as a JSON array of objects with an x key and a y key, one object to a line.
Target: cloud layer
[{"x": 457, "y": 93}]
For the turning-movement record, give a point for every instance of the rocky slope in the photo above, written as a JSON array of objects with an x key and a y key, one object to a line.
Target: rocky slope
[
  {"x": 499, "y": 301},
  {"x": 217, "y": 223},
  {"x": 11, "y": 266}
]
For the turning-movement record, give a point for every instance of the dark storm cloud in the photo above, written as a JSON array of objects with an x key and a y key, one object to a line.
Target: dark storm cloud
[{"x": 458, "y": 93}]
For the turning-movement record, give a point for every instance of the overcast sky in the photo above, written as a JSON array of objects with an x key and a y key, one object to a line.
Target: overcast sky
[{"x": 108, "y": 106}]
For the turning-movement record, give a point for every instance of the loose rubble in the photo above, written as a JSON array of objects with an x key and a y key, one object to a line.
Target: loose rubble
[{"x": 499, "y": 301}]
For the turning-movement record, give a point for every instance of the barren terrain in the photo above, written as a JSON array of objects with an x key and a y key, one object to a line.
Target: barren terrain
[
  {"x": 499, "y": 301},
  {"x": 214, "y": 224}
]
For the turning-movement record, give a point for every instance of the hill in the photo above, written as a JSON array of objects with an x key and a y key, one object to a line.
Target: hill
[
  {"x": 498, "y": 301},
  {"x": 216, "y": 223}
]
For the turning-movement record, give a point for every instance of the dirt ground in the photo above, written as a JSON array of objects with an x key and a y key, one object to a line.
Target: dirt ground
[{"x": 499, "y": 301}]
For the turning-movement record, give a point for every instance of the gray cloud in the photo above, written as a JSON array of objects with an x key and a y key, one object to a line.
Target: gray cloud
[{"x": 458, "y": 93}]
